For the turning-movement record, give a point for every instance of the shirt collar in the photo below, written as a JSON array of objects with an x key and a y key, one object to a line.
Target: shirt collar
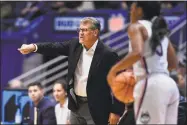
[
  {"x": 40, "y": 103},
  {"x": 92, "y": 48},
  {"x": 65, "y": 104}
]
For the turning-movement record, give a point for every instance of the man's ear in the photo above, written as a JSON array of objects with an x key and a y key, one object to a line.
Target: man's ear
[{"x": 96, "y": 32}]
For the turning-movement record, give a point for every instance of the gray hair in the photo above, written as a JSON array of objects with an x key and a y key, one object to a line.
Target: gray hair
[{"x": 94, "y": 21}]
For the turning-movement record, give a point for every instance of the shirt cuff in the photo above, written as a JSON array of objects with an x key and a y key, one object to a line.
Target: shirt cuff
[{"x": 36, "y": 47}]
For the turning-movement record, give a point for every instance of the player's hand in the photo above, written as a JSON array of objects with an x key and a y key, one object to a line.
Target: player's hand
[
  {"x": 113, "y": 119},
  {"x": 27, "y": 48}
]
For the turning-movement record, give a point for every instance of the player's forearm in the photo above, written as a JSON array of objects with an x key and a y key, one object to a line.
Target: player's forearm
[
  {"x": 172, "y": 58},
  {"x": 53, "y": 49},
  {"x": 127, "y": 62}
]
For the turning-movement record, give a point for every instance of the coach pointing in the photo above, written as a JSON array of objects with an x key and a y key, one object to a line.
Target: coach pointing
[{"x": 90, "y": 98}]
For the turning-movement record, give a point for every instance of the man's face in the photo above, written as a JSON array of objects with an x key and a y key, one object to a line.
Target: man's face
[
  {"x": 86, "y": 34},
  {"x": 58, "y": 92},
  {"x": 181, "y": 81},
  {"x": 35, "y": 93}
]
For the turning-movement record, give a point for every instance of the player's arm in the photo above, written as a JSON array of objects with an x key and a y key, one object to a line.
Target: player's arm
[
  {"x": 50, "y": 49},
  {"x": 172, "y": 58},
  {"x": 137, "y": 42}
]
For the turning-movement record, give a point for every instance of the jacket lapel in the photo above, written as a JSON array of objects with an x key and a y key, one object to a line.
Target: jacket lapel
[
  {"x": 74, "y": 61},
  {"x": 96, "y": 59},
  {"x": 76, "y": 57}
]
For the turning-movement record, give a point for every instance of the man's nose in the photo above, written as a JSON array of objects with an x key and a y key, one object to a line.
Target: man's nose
[{"x": 81, "y": 32}]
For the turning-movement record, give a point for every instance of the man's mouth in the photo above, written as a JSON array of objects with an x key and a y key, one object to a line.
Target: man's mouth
[{"x": 33, "y": 97}]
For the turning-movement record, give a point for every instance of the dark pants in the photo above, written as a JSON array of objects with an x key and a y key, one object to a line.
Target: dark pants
[
  {"x": 82, "y": 115},
  {"x": 128, "y": 116}
]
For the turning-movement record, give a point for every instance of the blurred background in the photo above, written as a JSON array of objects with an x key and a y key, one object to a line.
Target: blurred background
[{"x": 27, "y": 22}]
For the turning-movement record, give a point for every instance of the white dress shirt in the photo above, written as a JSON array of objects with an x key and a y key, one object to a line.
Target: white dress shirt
[
  {"x": 62, "y": 113},
  {"x": 82, "y": 70},
  {"x": 35, "y": 115}
]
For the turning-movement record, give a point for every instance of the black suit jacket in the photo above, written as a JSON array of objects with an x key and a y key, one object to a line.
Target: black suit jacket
[
  {"x": 46, "y": 113},
  {"x": 100, "y": 100}
]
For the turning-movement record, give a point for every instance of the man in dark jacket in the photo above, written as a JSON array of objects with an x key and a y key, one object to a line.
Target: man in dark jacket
[
  {"x": 89, "y": 61},
  {"x": 42, "y": 111}
]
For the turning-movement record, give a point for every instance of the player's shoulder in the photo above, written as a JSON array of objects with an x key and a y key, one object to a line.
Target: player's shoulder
[{"x": 135, "y": 26}]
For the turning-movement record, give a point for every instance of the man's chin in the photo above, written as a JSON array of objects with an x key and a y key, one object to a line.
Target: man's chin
[
  {"x": 81, "y": 42},
  {"x": 34, "y": 100},
  {"x": 57, "y": 100}
]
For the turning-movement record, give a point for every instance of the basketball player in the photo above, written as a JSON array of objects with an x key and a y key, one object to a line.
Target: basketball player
[{"x": 156, "y": 96}]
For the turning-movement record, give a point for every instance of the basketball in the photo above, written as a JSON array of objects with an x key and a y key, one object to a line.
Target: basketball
[{"x": 124, "y": 86}]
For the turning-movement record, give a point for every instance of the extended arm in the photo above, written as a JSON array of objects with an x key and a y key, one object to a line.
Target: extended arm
[
  {"x": 49, "y": 49},
  {"x": 172, "y": 58},
  {"x": 137, "y": 42},
  {"x": 54, "y": 49}
]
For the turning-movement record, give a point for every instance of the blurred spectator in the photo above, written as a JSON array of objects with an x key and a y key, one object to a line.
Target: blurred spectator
[
  {"x": 30, "y": 11},
  {"x": 182, "y": 110},
  {"x": 107, "y": 4},
  {"x": 6, "y": 9},
  {"x": 182, "y": 75},
  {"x": 86, "y": 5},
  {"x": 57, "y": 6},
  {"x": 6, "y": 12},
  {"x": 68, "y": 6},
  {"x": 182, "y": 68},
  {"x": 182, "y": 84},
  {"x": 169, "y": 4},
  {"x": 42, "y": 110},
  {"x": 126, "y": 4},
  {"x": 179, "y": 79},
  {"x": 34, "y": 9},
  {"x": 60, "y": 94},
  {"x": 71, "y": 5}
]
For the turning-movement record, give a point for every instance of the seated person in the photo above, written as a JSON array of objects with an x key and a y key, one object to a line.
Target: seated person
[
  {"x": 182, "y": 110},
  {"x": 42, "y": 110},
  {"x": 61, "y": 109}
]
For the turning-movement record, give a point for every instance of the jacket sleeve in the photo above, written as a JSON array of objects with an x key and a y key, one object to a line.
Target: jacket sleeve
[
  {"x": 54, "y": 48},
  {"x": 117, "y": 107},
  {"x": 49, "y": 116}
]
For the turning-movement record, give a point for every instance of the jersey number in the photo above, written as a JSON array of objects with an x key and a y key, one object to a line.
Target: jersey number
[{"x": 159, "y": 50}]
